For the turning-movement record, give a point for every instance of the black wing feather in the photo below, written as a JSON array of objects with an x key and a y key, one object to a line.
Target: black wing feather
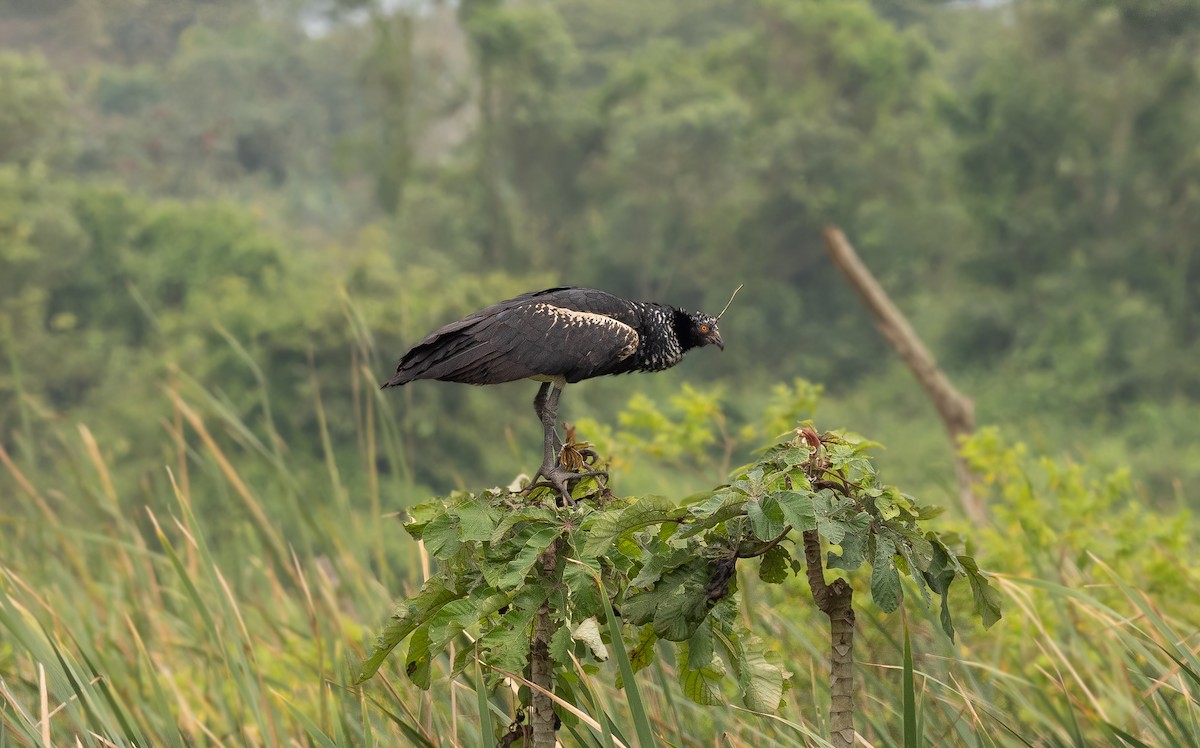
[{"x": 534, "y": 335}]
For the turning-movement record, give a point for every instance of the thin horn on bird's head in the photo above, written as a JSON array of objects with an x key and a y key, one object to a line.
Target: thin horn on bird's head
[{"x": 726, "y": 309}]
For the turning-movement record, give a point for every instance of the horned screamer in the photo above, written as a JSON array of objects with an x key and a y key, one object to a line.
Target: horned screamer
[{"x": 558, "y": 336}]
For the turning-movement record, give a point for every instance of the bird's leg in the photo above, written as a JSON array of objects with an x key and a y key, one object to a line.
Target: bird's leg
[
  {"x": 546, "y": 403},
  {"x": 551, "y": 444},
  {"x": 539, "y": 404}
]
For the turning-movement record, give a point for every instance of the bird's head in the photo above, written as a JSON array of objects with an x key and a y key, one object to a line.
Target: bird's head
[{"x": 702, "y": 330}]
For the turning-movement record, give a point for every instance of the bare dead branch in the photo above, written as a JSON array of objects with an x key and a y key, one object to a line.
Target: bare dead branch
[{"x": 956, "y": 410}]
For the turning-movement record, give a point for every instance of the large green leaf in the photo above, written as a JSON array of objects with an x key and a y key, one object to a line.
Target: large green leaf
[
  {"x": 560, "y": 646},
  {"x": 408, "y": 615},
  {"x": 987, "y": 599},
  {"x": 534, "y": 547},
  {"x": 885, "y": 579},
  {"x": 441, "y": 536},
  {"x": 604, "y": 527},
  {"x": 760, "y": 681},
  {"x": 797, "y": 509},
  {"x": 774, "y": 567},
  {"x": 855, "y": 533},
  {"x": 585, "y": 595},
  {"x": 677, "y": 617},
  {"x": 665, "y": 559},
  {"x": 418, "y": 659},
  {"x": 676, "y": 604},
  {"x": 539, "y": 515},
  {"x": 476, "y": 519},
  {"x": 700, "y": 647},
  {"x": 722, "y": 504},
  {"x": 642, "y": 655},
  {"x": 940, "y": 576},
  {"x": 700, "y": 684},
  {"x": 507, "y": 643},
  {"x": 766, "y": 517},
  {"x": 419, "y": 516}
]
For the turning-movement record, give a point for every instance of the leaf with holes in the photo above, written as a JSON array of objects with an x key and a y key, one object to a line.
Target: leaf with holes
[
  {"x": 774, "y": 566},
  {"x": 885, "y": 579}
]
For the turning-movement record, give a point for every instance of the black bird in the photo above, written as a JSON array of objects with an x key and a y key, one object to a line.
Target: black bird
[{"x": 557, "y": 336}]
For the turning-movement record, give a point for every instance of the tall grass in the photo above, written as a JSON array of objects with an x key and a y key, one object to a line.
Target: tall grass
[{"x": 227, "y": 608}]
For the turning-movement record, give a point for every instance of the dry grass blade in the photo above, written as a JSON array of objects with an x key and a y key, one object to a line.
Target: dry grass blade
[{"x": 583, "y": 716}]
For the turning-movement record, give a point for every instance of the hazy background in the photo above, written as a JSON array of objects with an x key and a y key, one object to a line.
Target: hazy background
[
  {"x": 259, "y": 205},
  {"x": 1023, "y": 178}
]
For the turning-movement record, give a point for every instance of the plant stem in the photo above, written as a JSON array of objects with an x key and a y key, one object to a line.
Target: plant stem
[
  {"x": 836, "y": 601},
  {"x": 542, "y": 720},
  {"x": 764, "y": 548}
]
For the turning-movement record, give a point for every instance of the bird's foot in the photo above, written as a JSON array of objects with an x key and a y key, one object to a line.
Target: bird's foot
[
  {"x": 566, "y": 463},
  {"x": 589, "y": 455},
  {"x": 560, "y": 479}
]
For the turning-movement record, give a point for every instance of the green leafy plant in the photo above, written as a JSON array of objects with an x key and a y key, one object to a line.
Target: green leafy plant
[{"x": 548, "y": 590}]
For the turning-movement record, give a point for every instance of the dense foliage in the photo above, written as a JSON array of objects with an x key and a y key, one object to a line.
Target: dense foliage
[{"x": 670, "y": 569}]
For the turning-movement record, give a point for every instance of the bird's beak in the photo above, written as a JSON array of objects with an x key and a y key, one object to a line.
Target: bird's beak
[{"x": 718, "y": 342}]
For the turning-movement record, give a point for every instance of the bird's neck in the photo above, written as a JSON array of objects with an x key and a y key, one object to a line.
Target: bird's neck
[
  {"x": 685, "y": 330},
  {"x": 661, "y": 346}
]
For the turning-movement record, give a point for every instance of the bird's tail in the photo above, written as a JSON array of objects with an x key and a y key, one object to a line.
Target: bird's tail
[{"x": 401, "y": 377}]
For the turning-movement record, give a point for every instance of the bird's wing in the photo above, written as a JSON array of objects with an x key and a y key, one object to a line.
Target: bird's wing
[
  {"x": 566, "y": 342},
  {"x": 530, "y": 336},
  {"x": 567, "y": 297},
  {"x": 476, "y": 317},
  {"x": 589, "y": 300}
]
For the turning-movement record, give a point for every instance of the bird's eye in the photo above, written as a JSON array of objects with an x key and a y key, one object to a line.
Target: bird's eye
[{"x": 703, "y": 328}]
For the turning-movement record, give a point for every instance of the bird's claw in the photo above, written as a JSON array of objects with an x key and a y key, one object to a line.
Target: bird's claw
[
  {"x": 590, "y": 456},
  {"x": 558, "y": 478}
]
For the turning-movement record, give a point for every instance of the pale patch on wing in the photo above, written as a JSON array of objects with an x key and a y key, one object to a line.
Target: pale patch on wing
[{"x": 571, "y": 318}]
